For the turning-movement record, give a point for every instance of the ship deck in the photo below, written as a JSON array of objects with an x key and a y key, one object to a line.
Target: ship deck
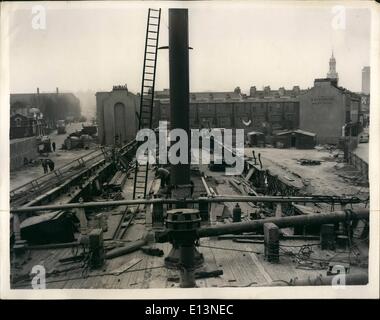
[{"x": 243, "y": 263}]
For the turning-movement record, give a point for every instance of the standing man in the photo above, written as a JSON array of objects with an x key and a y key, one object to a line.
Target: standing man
[
  {"x": 53, "y": 146},
  {"x": 44, "y": 165}
]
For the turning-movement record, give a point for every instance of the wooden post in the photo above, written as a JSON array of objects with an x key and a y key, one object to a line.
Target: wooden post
[
  {"x": 81, "y": 215},
  {"x": 278, "y": 213},
  {"x": 96, "y": 248},
  {"x": 16, "y": 227},
  {"x": 271, "y": 242}
]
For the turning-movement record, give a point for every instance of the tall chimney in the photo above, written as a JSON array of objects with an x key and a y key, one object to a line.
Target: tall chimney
[
  {"x": 38, "y": 91},
  {"x": 56, "y": 90}
]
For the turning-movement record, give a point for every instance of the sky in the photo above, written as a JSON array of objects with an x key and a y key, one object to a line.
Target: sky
[{"x": 94, "y": 47}]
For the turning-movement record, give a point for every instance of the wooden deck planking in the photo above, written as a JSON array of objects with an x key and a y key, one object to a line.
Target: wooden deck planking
[
  {"x": 113, "y": 222},
  {"x": 246, "y": 270},
  {"x": 158, "y": 277},
  {"x": 129, "y": 276},
  {"x": 211, "y": 264}
]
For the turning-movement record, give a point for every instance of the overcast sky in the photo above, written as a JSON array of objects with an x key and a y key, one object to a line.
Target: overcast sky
[{"x": 96, "y": 48}]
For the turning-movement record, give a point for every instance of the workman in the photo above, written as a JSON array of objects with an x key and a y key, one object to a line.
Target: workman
[{"x": 164, "y": 175}]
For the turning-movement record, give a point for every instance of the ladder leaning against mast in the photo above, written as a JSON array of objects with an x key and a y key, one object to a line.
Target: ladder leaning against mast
[{"x": 147, "y": 94}]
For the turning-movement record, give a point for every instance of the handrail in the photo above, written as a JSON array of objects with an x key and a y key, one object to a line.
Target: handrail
[{"x": 210, "y": 199}]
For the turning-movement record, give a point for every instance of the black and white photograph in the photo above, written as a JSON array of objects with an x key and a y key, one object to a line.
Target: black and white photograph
[{"x": 190, "y": 149}]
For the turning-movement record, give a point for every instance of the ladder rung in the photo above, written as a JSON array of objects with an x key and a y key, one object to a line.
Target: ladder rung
[
  {"x": 152, "y": 46},
  {"x": 149, "y": 72},
  {"x": 153, "y": 24},
  {"x": 151, "y": 52},
  {"x": 158, "y": 10},
  {"x": 146, "y": 66},
  {"x": 150, "y": 59},
  {"x": 153, "y": 17},
  {"x": 149, "y": 31}
]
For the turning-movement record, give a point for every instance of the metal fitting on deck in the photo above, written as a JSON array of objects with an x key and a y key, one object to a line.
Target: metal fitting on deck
[{"x": 182, "y": 226}]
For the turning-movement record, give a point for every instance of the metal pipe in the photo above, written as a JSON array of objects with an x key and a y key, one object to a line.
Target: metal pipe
[
  {"x": 214, "y": 199},
  {"x": 342, "y": 280},
  {"x": 261, "y": 236},
  {"x": 128, "y": 248},
  {"x": 284, "y": 222},
  {"x": 179, "y": 86},
  {"x": 179, "y": 119}
]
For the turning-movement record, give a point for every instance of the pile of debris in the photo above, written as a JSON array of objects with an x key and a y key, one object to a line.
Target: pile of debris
[{"x": 309, "y": 162}]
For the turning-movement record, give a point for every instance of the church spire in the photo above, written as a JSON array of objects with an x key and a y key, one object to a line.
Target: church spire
[{"x": 332, "y": 74}]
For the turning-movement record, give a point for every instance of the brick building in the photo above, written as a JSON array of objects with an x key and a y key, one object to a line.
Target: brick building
[
  {"x": 266, "y": 111},
  {"x": 330, "y": 111}
]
